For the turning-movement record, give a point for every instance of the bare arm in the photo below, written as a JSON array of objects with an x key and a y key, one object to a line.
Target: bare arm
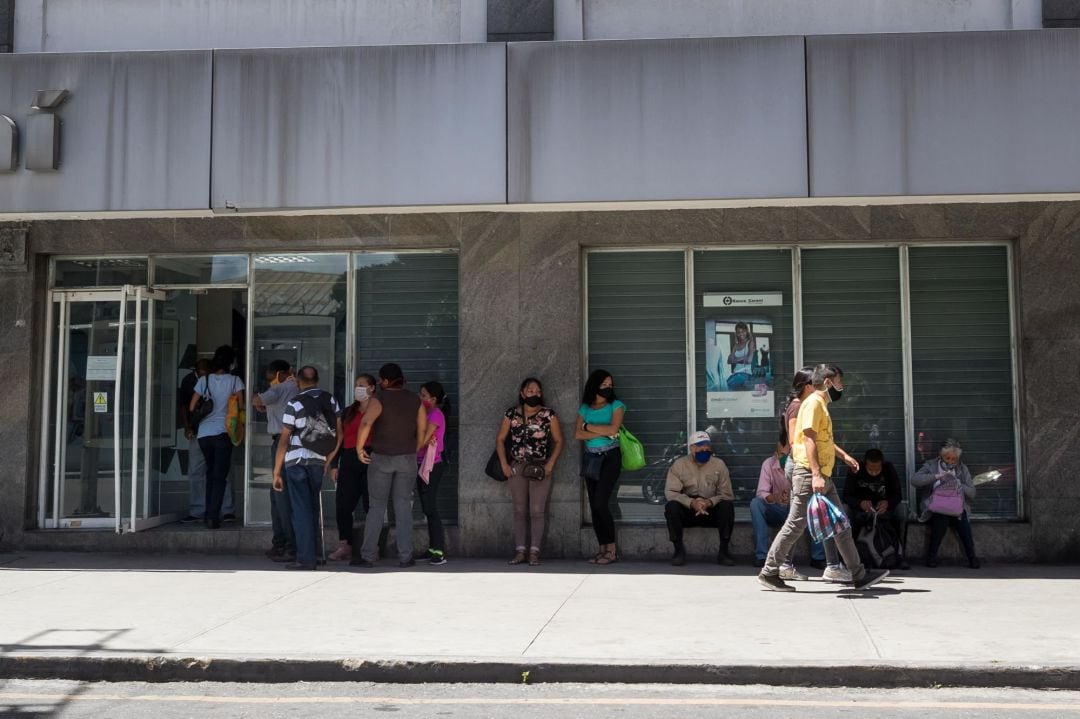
[
  {"x": 279, "y": 458},
  {"x": 337, "y": 447},
  {"x": 421, "y": 427},
  {"x": 500, "y": 446},
  {"x": 373, "y": 411},
  {"x": 600, "y": 430},
  {"x": 557, "y": 439}
]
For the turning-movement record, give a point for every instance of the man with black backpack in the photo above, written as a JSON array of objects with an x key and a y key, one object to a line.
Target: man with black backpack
[{"x": 311, "y": 437}]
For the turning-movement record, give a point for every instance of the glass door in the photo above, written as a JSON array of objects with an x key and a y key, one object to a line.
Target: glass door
[{"x": 104, "y": 416}]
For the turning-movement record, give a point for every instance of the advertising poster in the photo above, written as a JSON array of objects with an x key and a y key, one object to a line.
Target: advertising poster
[{"x": 738, "y": 350}]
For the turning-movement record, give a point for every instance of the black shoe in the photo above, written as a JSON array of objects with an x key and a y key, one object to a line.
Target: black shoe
[
  {"x": 213, "y": 524},
  {"x": 974, "y": 563},
  {"x": 759, "y": 563},
  {"x": 228, "y": 518},
  {"x": 725, "y": 559},
  {"x": 818, "y": 563},
  {"x": 931, "y": 562},
  {"x": 284, "y": 558},
  {"x": 774, "y": 583},
  {"x": 678, "y": 559},
  {"x": 870, "y": 578},
  {"x": 190, "y": 519},
  {"x": 298, "y": 565},
  {"x": 405, "y": 565},
  {"x": 361, "y": 562},
  {"x": 904, "y": 566},
  {"x": 274, "y": 552}
]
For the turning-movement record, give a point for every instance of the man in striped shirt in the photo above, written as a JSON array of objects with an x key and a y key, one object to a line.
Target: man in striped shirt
[{"x": 311, "y": 437}]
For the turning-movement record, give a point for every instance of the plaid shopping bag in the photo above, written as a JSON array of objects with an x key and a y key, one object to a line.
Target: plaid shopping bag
[{"x": 824, "y": 519}]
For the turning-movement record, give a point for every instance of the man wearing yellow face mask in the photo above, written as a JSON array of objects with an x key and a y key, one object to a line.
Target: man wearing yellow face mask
[{"x": 283, "y": 388}]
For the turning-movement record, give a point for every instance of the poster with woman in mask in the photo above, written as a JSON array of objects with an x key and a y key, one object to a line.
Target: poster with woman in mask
[{"x": 738, "y": 364}]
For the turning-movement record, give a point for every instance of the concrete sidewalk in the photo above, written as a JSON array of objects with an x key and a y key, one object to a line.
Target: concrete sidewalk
[{"x": 118, "y": 617}]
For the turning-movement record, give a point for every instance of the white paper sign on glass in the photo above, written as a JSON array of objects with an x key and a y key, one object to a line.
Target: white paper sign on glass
[{"x": 101, "y": 367}]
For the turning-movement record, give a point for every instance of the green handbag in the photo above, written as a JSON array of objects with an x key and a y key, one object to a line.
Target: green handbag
[{"x": 633, "y": 453}]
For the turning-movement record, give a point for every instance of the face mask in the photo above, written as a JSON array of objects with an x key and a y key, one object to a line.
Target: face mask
[
  {"x": 361, "y": 393},
  {"x": 835, "y": 394},
  {"x": 783, "y": 461},
  {"x": 948, "y": 465},
  {"x": 533, "y": 401},
  {"x": 607, "y": 393},
  {"x": 703, "y": 456},
  {"x": 428, "y": 403}
]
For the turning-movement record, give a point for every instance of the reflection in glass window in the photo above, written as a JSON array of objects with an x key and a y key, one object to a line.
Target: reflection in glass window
[
  {"x": 637, "y": 331},
  {"x": 300, "y": 308},
  {"x": 100, "y": 272},
  {"x": 744, "y": 357},
  {"x": 204, "y": 270},
  {"x": 962, "y": 366},
  {"x": 852, "y": 318},
  {"x": 407, "y": 312}
]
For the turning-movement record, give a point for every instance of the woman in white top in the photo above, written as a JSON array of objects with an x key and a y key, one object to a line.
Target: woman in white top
[{"x": 214, "y": 441}]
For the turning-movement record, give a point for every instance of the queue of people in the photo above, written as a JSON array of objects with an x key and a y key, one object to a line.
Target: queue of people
[{"x": 388, "y": 447}]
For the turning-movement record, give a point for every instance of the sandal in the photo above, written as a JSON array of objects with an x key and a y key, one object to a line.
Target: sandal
[
  {"x": 608, "y": 557},
  {"x": 519, "y": 557},
  {"x": 596, "y": 557},
  {"x": 534, "y": 557}
]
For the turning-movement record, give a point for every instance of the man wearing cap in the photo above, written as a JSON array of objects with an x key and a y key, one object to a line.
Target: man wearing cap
[{"x": 698, "y": 491}]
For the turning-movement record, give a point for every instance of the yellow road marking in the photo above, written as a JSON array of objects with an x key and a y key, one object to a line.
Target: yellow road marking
[{"x": 542, "y": 701}]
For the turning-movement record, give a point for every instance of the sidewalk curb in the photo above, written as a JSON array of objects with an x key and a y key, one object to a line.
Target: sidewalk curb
[{"x": 270, "y": 671}]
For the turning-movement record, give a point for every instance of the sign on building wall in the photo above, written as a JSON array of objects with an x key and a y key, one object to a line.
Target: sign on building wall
[{"x": 738, "y": 365}]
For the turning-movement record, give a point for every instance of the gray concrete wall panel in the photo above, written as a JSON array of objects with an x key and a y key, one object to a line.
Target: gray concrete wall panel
[
  {"x": 633, "y": 19},
  {"x": 656, "y": 120},
  {"x": 961, "y": 113},
  {"x": 406, "y": 125},
  {"x": 135, "y": 133},
  {"x": 92, "y": 25}
]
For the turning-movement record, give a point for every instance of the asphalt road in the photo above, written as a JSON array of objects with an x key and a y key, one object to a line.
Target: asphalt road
[{"x": 47, "y": 699}]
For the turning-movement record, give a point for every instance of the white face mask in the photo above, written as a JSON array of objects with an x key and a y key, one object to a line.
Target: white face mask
[{"x": 361, "y": 393}]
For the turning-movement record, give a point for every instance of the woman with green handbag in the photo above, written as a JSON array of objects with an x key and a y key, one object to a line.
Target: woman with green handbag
[{"x": 599, "y": 420}]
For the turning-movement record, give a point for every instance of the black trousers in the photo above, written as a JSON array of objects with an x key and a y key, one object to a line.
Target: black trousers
[
  {"x": 720, "y": 515},
  {"x": 217, "y": 450},
  {"x": 939, "y": 526},
  {"x": 351, "y": 490},
  {"x": 600, "y": 488},
  {"x": 428, "y": 492}
]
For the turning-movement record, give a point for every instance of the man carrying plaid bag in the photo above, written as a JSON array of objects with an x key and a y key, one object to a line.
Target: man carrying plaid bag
[{"x": 814, "y": 454}]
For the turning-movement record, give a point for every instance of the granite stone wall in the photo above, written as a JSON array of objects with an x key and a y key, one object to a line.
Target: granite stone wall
[{"x": 521, "y": 314}]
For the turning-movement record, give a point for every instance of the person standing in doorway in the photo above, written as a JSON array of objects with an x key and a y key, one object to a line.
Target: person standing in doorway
[
  {"x": 196, "y": 464},
  {"x": 273, "y": 402},
  {"x": 396, "y": 424},
  {"x": 433, "y": 398},
  {"x": 598, "y": 422},
  {"x": 814, "y": 453},
  {"x": 311, "y": 437},
  {"x": 214, "y": 441},
  {"x": 351, "y": 488}
]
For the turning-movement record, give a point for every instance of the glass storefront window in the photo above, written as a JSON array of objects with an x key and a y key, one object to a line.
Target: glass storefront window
[
  {"x": 962, "y": 366},
  {"x": 300, "y": 309},
  {"x": 852, "y": 318},
  {"x": 407, "y": 312},
  {"x": 637, "y": 331},
  {"x": 200, "y": 270},
  {"x": 744, "y": 348},
  {"x": 100, "y": 272}
]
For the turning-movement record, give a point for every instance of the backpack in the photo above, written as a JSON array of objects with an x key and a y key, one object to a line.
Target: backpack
[
  {"x": 319, "y": 434},
  {"x": 879, "y": 546}
]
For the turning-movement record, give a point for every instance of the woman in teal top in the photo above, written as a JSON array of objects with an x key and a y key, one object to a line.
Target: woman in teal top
[{"x": 598, "y": 422}]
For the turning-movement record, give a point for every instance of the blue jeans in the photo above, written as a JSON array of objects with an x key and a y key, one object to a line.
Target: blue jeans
[
  {"x": 280, "y": 514},
  {"x": 303, "y": 482},
  {"x": 764, "y": 515}
]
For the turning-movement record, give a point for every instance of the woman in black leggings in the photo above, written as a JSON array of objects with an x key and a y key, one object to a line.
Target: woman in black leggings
[
  {"x": 351, "y": 487},
  {"x": 598, "y": 422}
]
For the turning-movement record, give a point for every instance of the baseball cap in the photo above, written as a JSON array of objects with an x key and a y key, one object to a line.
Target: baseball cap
[{"x": 699, "y": 438}]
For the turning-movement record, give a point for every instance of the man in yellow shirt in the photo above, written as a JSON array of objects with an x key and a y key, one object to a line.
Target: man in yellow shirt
[{"x": 814, "y": 454}]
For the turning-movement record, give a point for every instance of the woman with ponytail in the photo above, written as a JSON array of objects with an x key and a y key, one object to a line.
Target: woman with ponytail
[{"x": 433, "y": 397}]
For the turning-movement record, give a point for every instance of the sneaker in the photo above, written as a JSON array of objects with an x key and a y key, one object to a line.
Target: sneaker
[
  {"x": 408, "y": 563},
  {"x": 228, "y": 518},
  {"x": 343, "y": 552},
  {"x": 190, "y": 519},
  {"x": 870, "y": 578},
  {"x": 837, "y": 574},
  {"x": 437, "y": 559},
  {"x": 789, "y": 573},
  {"x": 299, "y": 566},
  {"x": 773, "y": 583},
  {"x": 361, "y": 562}
]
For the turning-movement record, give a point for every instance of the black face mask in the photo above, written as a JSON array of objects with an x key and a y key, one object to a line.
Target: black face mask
[
  {"x": 607, "y": 393},
  {"x": 835, "y": 394},
  {"x": 533, "y": 401}
]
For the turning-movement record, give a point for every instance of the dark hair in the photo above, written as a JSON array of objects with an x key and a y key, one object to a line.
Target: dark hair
[
  {"x": 223, "y": 359},
  {"x": 592, "y": 385},
  {"x": 203, "y": 363},
  {"x": 873, "y": 455},
  {"x": 279, "y": 365},
  {"x": 308, "y": 374},
  {"x": 825, "y": 371},
  {"x": 353, "y": 408},
  {"x": 436, "y": 390},
  {"x": 798, "y": 383},
  {"x": 525, "y": 383},
  {"x": 391, "y": 372}
]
